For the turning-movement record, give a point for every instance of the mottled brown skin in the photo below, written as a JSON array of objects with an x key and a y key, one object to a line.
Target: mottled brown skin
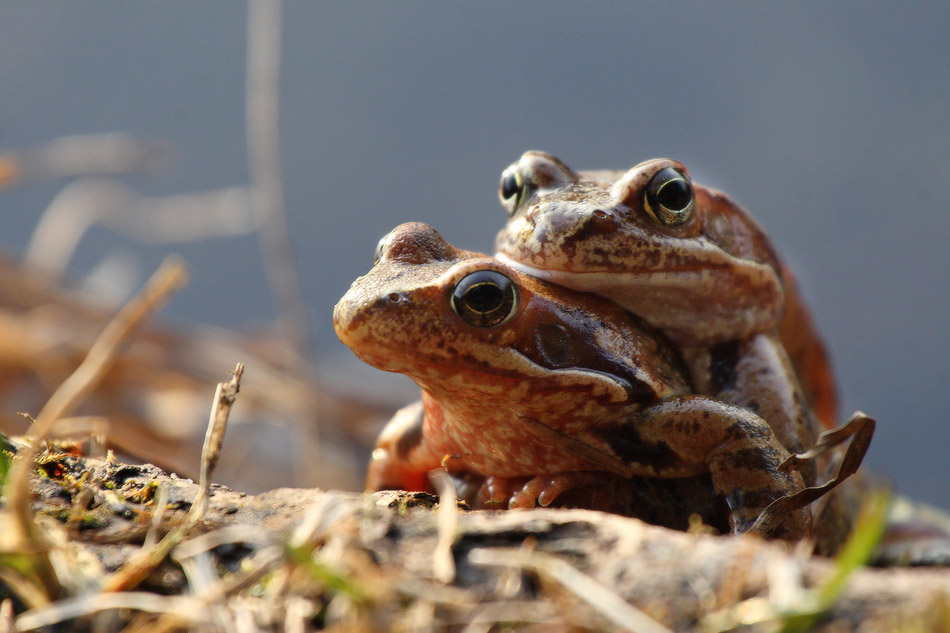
[
  {"x": 566, "y": 391},
  {"x": 712, "y": 284}
]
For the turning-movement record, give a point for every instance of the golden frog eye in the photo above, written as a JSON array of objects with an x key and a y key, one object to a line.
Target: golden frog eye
[
  {"x": 484, "y": 298},
  {"x": 380, "y": 250},
  {"x": 511, "y": 189},
  {"x": 669, "y": 198}
]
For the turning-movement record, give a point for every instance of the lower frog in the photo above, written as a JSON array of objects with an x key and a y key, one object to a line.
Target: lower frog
[{"x": 543, "y": 390}]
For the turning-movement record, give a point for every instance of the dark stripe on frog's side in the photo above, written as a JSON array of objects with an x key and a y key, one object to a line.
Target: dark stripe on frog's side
[
  {"x": 559, "y": 347},
  {"x": 748, "y": 458},
  {"x": 626, "y": 442},
  {"x": 411, "y": 436},
  {"x": 723, "y": 365}
]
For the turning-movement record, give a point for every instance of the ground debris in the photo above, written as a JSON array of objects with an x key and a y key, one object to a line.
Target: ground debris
[{"x": 304, "y": 559}]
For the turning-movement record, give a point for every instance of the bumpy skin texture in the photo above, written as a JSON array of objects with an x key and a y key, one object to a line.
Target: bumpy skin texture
[
  {"x": 713, "y": 283},
  {"x": 565, "y": 390}
]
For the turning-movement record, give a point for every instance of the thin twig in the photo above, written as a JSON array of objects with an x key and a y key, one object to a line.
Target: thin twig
[
  {"x": 81, "y": 155},
  {"x": 443, "y": 565},
  {"x": 185, "y": 608},
  {"x": 138, "y": 567},
  {"x": 222, "y": 536},
  {"x": 224, "y": 396},
  {"x": 6, "y": 616},
  {"x": 158, "y": 509},
  {"x": 154, "y": 220},
  {"x": 267, "y": 189},
  {"x": 600, "y": 597},
  {"x": 253, "y": 569},
  {"x": 28, "y": 592}
]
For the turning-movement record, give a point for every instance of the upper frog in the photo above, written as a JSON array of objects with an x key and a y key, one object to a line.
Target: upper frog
[
  {"x": 531, "y": 382},
  {"x": 685, "y": 258}
]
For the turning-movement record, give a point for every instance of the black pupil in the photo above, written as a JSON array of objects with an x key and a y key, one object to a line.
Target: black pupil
[
  {"x": 484, "y": 296},
  {"x": 509, "y": 186},
  {"x": 676, "y": 193}
]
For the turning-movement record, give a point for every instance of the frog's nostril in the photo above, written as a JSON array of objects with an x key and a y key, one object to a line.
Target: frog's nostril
[
  {"x": 603, "y": 219},
  {"x": 395, "y": 297}
]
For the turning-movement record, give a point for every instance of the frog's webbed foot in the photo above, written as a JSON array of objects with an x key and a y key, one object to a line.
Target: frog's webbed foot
[{"x": 859, "y": 429}]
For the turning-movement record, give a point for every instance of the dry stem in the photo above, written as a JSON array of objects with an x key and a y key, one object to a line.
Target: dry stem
[
  {"x": 140, "y": 566},
  {"x": 267, "y": 189}
]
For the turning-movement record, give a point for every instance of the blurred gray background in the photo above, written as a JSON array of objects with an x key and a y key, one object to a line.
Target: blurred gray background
[{"x": 829, "y": 122}]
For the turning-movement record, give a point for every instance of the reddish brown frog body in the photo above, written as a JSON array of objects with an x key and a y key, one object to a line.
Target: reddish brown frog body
[
  {"x": 688, "y": 261},
  {"x": 527, "y": 382}
]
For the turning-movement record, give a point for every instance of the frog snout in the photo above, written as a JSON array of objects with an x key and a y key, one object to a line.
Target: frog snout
[{"x": 350, "y": 312}]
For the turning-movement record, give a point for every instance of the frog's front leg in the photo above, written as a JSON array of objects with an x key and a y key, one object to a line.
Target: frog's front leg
[
  {"x": 400, "y": 460},
  {"x": 755, "y": 373},
  {"x": 686, "y": 435}
]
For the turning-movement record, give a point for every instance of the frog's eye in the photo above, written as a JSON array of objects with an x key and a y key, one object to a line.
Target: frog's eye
[
  {"x": 484, "y": 298},
  {"x": 511, "y": 190},
  {"x": 380, "y": 250},
  {"x": 510, "y": 185},
  {"x": 669, "y": 197}
]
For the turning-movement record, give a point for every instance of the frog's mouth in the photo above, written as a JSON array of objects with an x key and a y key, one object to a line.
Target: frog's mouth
[
  {"x": 598, "y": 280},
  {"x": 745, "y": 301},
  {"x": 665, "y": 277},
  {"x": 537, "y": 273},
  {"x": 704, "y": 256}
]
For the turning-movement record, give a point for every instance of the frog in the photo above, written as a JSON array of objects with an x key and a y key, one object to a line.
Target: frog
[
  {"x": 690, "y": 262},
  {"x": 539, "y": 391}
]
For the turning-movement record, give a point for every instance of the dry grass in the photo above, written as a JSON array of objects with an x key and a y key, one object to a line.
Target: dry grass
[{"x": 299, "y": 560}]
